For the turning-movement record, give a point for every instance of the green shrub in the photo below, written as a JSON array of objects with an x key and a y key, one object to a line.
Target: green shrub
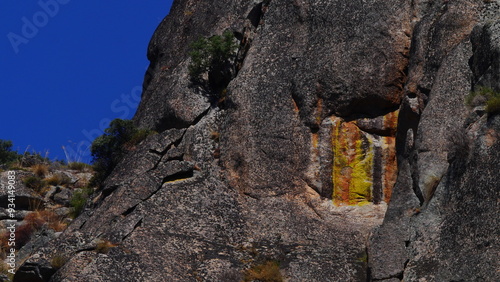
[
  {"x": 34, "y": 182},
  {"x": 211, "y": 54},
  {"x": 493, "y": 105},
  {"x": 78, "y": 202},
  {"x": 7, "y": 156},
  {"x": 108, "y": 149},
  {"x": 484, "y": 96}
]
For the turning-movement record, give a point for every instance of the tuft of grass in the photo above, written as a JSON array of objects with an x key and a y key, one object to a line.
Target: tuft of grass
[
  {"x": 58, "y": 180},
  {"x": 58, "y": 261},
  {"x": 38, "y": 218},
  {"x": 40, "y": 170},
  {"x": 215, "y": 135},
  {"x": 103, "y": 246},
  {"x": 268, "y": 271},
  {"x": 34, "y": 182},
  {"x": 33, "y": 222},
  {"x": 80, "y": 166}
]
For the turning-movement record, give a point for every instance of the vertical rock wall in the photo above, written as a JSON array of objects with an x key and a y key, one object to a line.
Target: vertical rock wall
[{"x": 296, "y": 165}]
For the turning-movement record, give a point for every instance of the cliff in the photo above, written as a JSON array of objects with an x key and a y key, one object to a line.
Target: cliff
[{"x": 331, "y": 112}]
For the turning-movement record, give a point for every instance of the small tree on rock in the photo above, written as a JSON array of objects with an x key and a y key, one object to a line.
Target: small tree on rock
[{"x": 212, "y": 56}]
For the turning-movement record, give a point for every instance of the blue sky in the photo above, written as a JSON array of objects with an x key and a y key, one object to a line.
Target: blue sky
[{"x": 69, "y": 67}]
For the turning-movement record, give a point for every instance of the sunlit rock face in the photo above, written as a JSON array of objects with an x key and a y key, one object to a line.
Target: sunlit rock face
[{"x": 335, "y": 112}]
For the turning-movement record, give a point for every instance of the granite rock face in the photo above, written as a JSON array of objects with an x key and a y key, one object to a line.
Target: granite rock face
[
  {"x": 442, "y": 222},
  {"x": 334, "y": 110}
]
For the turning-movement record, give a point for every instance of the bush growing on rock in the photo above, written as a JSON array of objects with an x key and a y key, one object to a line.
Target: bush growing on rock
[
  {"x": 83, "y": 167},
  {"x": 108, "y": 149},
  {"x": 34, "y": 182},
  {"x": 58, "y": 261},
  {"x": 78, "y": 201},
  {"x": 211, "y": 54},
  {"x": 58, "y": 179},
  {"x": 6, "y": 154},
  {"x": 212, "y": 57}
]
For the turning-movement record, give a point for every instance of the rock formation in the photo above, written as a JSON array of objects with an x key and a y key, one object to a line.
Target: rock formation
[{"x": 334, "y": 110}]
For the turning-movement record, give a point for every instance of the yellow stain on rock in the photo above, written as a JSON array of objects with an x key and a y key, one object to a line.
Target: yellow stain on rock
[
  {"x": 354, "y": 167},
  {"x": 352, "y": 164}
]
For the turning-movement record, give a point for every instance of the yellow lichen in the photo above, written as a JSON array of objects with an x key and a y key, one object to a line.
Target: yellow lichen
[{"x": 353, "y": 164}]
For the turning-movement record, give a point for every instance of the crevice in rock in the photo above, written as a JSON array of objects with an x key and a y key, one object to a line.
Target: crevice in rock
[
  {"x": 179, "y": 176},
  {"x": 251, "y": 196},
  {"x": 130, "y": 210},
  {"x": 171, "y": 122},
  {"x": 256, "y": 14},
  {"x": 173, "y": 144},
  {"x": 137, "y": 225},
  {"x": 88, "y": 249},
  {"x": 33, "y": 272},
  {"x": 108, "y": 190},
  {"x": 255, "y": 18}
]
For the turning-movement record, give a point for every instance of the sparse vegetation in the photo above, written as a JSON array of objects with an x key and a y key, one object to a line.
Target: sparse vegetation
[
  {"x": 215, "y": 135},
  {"x": 58, "y": 179},
  {"x": 7, "y": 156},
  {"x": 211, "y": 54},
  {"x": 78, "y": 201},
  {"x": 34, "y": 182},
  {"x": 79, "y": 166},
  {"x": 484, "y": 96},
  {"x": 40, "y": 170},
  {"x": 268, "y": 271},
  {"x": 108, "y": 149},
  {"x": 33, "y": 222}
]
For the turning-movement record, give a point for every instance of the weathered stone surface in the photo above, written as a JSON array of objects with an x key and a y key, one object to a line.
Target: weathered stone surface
[
  {"x": 452, "y": 233},
  {"x": 309, "y": 116},
  {"x": 63, "y": 197}
]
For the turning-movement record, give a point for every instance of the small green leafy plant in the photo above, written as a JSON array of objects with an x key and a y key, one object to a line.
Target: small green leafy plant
[
  {"x": 484, "y": 96},
  {"x": 78, "y": 201},
  {"x": 211, "y": 54}
]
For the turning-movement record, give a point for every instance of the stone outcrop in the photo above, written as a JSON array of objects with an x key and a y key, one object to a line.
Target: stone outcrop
[
  {"x": 334, "y": 110},
  {"x": 441, "y": 223}
]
